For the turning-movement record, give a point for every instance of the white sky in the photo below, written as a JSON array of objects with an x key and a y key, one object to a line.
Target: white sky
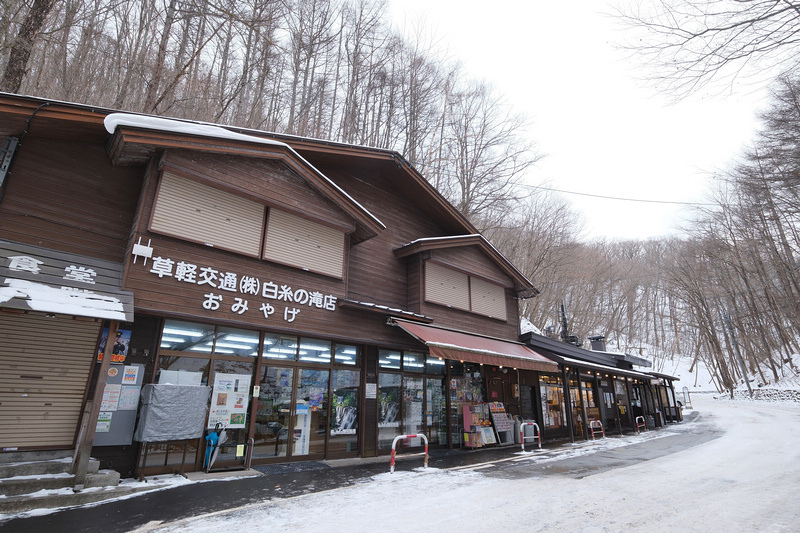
[{"x": 603, "y": 131}]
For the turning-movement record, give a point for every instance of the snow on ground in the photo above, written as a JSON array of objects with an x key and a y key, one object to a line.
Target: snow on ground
[{"x": 746, "y": 480}]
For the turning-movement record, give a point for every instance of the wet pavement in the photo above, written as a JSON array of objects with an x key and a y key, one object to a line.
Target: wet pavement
[{"x": 297, "y": 479}]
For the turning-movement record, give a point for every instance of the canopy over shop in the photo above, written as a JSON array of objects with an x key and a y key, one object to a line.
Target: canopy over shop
[
  {"x": 603, "y": 387},
  {"x": 456, "y": 345}
]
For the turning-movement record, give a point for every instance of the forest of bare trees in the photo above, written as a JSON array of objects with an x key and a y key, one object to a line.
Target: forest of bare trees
[{"x": 725, "y": 294}]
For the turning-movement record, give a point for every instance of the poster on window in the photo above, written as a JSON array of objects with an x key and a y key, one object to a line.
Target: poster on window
[
  {"x": 229, "y": 400},
  {"x": 120, "y": 349}
]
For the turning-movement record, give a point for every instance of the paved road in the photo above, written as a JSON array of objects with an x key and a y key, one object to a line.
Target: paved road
[{"x": 199, "y": 498}]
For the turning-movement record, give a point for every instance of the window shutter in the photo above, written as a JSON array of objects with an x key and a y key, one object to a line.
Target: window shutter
[
  {"x": 488, "y": 298},
  {"x": 446, "y": 286},
  {"x": 190, "y": 210},
  {"x": 304, "y": 244}
]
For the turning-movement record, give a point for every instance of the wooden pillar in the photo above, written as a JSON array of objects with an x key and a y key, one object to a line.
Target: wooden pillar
[
  {"x": 83, "y": 448},
  {"x": 568, "y": 404}
]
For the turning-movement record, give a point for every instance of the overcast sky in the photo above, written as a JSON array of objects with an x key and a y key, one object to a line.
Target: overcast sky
[{"x": 604, "y": 132}]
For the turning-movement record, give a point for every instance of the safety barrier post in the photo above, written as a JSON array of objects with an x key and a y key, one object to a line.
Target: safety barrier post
[
  {"x": 595, "y": 426},
  {"x": 640, "y": 423},
  {"x": 397, "y": 438},
  {"x": 537, "y": 434}
]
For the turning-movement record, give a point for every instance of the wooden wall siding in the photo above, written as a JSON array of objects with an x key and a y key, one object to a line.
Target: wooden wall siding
[
  {"x": 374, "y": 274},
  {"x": 166, "y": 295},
  {"x": 414, "y": 269},
  {"x": 487, "y": 298},
  {"x": 190, "y": 210},
  {"x": 42, "y": 403},
  {"x": 446, "y": 286},
  {"x": 66, "y": 196},
  {"x": 297, "y": 242},
  {"x": 472, "y": 260},
  {"x": 269, "y": 182}
]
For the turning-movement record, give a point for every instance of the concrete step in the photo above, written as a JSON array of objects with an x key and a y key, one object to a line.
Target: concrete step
[
  {"x": 18, "y": 485},
  {"x": 63, "y": 498},
  {"x": 24, "y": 493},
  {"x": 42, "y": 468}
]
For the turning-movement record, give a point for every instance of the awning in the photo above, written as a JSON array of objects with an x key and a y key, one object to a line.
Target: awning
[
  {"x": 611, "y": 370},
  {"x": 449, "y": 344}
]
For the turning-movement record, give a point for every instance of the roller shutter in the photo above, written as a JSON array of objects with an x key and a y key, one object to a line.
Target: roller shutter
[
  {"x": 190, "y": 210},
  {"x": 44, "y": 371},
  {"x": 304, "y": 244},
  {"x": 446, "y": 286},
  {"x": 488, "y": 298}
]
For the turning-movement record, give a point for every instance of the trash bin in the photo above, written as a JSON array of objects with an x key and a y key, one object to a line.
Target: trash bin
[{"x": 650, "y": 422}]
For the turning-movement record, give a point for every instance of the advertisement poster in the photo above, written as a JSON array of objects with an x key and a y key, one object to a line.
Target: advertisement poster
[
  {"x": 122, "y": 342},
  {"x": 104, "y": 422},
  {"x": 128, "y": 399},
  {"x": 499, "y": 417},
  {"x": 229, "y": 400},
  {"x": 111, "y": 397}
]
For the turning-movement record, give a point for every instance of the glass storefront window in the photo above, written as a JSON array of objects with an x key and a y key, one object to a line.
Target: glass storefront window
[
  {"x": 239, "y": 342},
  {"x": 552, "y": 394},
  {"x": 315, "y": 350},
  {"x": 413, "y": 396},
  {"x": 311, "y": 412},
  {"x": 273, "y": 410},
  {"x": 434, "y": 365},
  {"x": 344, "y": 411},
  {"x": 390, "y": 359},
  {"x": 389, "y": 394},
  {"x": 435, "y": 410},
  {"x": 346, "y": 354},
  {"x": 176, "y": 370},
  {"x": 280, "y": 347},
  {"x": 413, "y": 362},
  {"x": 182, "y": 336}
]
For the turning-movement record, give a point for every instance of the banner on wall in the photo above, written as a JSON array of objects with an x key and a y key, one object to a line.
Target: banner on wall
[{"x": 229, "y": 401}]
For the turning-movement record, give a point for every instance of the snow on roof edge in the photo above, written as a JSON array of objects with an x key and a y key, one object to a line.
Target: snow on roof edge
[{"x": 114, "y": 120}]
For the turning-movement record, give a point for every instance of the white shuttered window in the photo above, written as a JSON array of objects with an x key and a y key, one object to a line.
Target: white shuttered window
[
  {"x": 452, "y": 288},
  {"x": 446, "y": 286},
  {"x": 190, "y": 210},
  {"x": 304, "y": 244},
  {"x": 488, "y": 298}
]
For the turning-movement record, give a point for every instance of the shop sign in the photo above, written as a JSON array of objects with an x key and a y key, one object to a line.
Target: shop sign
[
  {"x": 238, "y": 293},
  {"x": 56, "y": 282}
]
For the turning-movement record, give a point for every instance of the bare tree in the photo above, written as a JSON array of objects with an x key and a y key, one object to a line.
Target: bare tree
[
  {"x": 692, "y": 43},
  {"x": 20, "y": 53}
]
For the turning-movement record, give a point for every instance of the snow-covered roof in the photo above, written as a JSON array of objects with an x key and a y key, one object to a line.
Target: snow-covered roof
[{"x": 115, "y": 120}]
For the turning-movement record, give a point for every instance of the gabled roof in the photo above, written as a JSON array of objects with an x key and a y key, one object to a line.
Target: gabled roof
[
  {"x": 522, "y": 285},
  {"x": 137, "y": 138}
]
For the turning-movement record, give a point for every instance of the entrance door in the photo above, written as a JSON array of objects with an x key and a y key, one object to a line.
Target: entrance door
[
  {"x": 310, "y": 412},
  {"x": 273, "y": 412}
]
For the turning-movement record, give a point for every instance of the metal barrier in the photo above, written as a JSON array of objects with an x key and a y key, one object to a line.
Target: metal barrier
[
  {"x": 640, "y": 423},
  {"x": 596, "y": 426},
  {"x": 522, "y": 437},
  {"x": 397, "y": 438}
]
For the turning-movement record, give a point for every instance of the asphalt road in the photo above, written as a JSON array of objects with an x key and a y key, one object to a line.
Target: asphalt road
[{"x": 195, "y": 499}]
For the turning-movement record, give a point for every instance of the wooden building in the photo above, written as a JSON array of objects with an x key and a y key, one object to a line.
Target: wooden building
[
  {"x": 326, "y": 295},
  {"x": 595, "y": 386}
]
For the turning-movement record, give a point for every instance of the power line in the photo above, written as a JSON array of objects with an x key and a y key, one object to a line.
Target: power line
[
  {"x": 618, "y": 197},
  {"x": 419, "y": 164}
]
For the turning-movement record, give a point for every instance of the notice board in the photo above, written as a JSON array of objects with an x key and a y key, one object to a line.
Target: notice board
[
  {"x": 502, "y": 424},
  {"x": 117, "y": 417}
]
